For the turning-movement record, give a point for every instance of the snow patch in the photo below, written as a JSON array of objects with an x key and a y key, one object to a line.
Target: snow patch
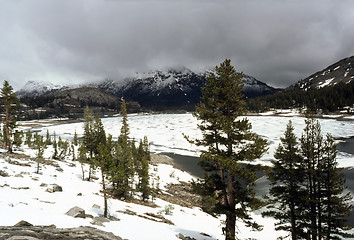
[{"x": 325, "y": 83}]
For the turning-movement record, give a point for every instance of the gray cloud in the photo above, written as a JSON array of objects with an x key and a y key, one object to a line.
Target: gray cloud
[{"x": 278, "y": 42}]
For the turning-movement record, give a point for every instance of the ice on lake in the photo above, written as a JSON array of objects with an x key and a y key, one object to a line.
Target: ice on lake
[{"x": 165, "y": 131}]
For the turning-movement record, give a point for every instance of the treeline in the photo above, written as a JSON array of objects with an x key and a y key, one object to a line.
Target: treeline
[
  {"x": 48, "y": 106},
  {"x": 327, "y": 99}
]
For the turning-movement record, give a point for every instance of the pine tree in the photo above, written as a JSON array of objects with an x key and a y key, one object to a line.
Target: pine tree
[
  {"x": 48, "y": 140},
  {"x": 39, "y": 145},
  {"x": 144, "y": 156},
  {"x": 103, "y": 157},
  {"x": 311, "y": 149},
  {"x": 82, "y": 158},
  {"x": 327, "y": 204},
  {"x": 18, "y": 135},
  {"x": 55, "y": 147},
  {"x": 229, "y": 142},
  {"x": 286, "y": 189},
  {"x": 28, "y": 138},
  {"x": 75, "y": 139},
  {"x": 9, "y": 100},
  {"x": 88, "y": 138},
  {"x": 73, "y": 151},
  {"x": 124, "y": 132},
  {"x": 122, "y": 171},
  {"x": 336, "y": 204}
]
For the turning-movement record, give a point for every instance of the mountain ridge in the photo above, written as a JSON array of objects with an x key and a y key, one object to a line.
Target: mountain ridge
[
  {"x": 328, "y": 90},
  {"x": 158, "y": 90},
  {"x": 340, "y": 71}
]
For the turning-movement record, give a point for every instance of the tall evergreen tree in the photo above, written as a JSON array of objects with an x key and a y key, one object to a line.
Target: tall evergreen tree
[
  {"x": 39, "y": 145},
  {"x": 18, "y": 135},
  {"x": 75, "y": 139},
  {"x": 28, "y": 140},
  {"x": 327, "y": 204},
  {"x": 124, "y": 132},
  {"x": 122, "y": 170},
  {"x": 48, "y": 140},
  {"x": 230, "y": 143},
  {"x": 9, "y": 100},
  {"x": 88, "y": 138},
  {"x": 336, "y": 203},
  {"x": 55, "y": 147},
  {"x": 311, "y": 149},
  {"x": 286, "y": 191},
  {"x": 103, "y": 157},
  {"x": 144, "y": 156},
  {"x": 82, "y": 157}
]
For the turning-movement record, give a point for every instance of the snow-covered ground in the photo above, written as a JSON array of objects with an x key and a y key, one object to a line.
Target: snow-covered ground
[{"x": 24, "y": 196}]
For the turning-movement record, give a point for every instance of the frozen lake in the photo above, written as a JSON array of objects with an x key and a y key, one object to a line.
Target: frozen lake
[{"x": 165, "y": 132}]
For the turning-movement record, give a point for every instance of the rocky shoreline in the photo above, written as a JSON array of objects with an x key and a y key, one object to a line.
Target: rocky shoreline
[{"x": 26, "y": 231}]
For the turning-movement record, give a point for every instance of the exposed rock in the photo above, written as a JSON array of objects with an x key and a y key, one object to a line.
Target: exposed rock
[
  {"x": 181, "y": 236},
  {"x": 3, "y": 174},
  {"x": 57, "y": 188},
  {"x": 96, "y": 206},
  {"x": 99, "y": 221},
  {"x": 25, "y": 231},
  {"x": 79, "y": 194},
  {"x": 19, "y": 176},
  {"x": 181, "y": 194},
  {"x": 23, "y": 224},
  {"x": 76, "y": 212},
  {"x": 20, "y": 188}
]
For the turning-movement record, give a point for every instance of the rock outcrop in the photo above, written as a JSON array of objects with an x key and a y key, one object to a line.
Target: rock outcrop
[{"x": 25, "y": 230}]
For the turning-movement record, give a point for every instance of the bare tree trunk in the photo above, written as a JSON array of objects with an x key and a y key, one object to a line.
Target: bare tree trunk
[
  {"x": 230, "y": 215},
  {"x": 83, "y": 171},
  {"x": 105, "y": 213},
  {"x": 7, "y": 130}
]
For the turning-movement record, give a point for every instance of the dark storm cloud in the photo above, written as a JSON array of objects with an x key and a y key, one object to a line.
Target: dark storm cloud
[{"x": 278, "y": 42}]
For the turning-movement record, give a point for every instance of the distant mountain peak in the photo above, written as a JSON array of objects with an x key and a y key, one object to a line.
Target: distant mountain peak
[{"x": 37, "y": 88}]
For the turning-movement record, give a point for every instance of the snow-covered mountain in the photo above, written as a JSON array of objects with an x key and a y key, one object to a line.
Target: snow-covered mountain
[
  {"x": 172, "y": 88},
  {"x": 38, "y": 88},
  {"x": 341, "y": 71},
  {"x": 157, "y": 90}
]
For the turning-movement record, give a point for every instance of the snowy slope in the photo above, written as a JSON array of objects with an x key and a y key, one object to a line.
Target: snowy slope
[
  {"x": 341, "y": 71},
  {"x": 36, "y": 88},
  {"x": 172, "y": 88},
  {"x": 158, "y": 90},
  {"x": 24, "y": 196}
]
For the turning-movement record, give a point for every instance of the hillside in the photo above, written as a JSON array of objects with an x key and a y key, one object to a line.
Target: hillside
[
  {"x": 174, "y": 89},
  {"x": 339, "y": 72},
  {"x": 328, "y": 90},
  {"x": 71, "y": 102}
]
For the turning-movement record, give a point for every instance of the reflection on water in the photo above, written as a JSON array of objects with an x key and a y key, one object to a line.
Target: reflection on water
[
  {"x": 187, "y": 163},
  {"x": 347, "y": 146}
]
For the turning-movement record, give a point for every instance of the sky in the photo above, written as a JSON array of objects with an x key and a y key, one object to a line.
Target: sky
[{"x": 76, "y": 41}]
